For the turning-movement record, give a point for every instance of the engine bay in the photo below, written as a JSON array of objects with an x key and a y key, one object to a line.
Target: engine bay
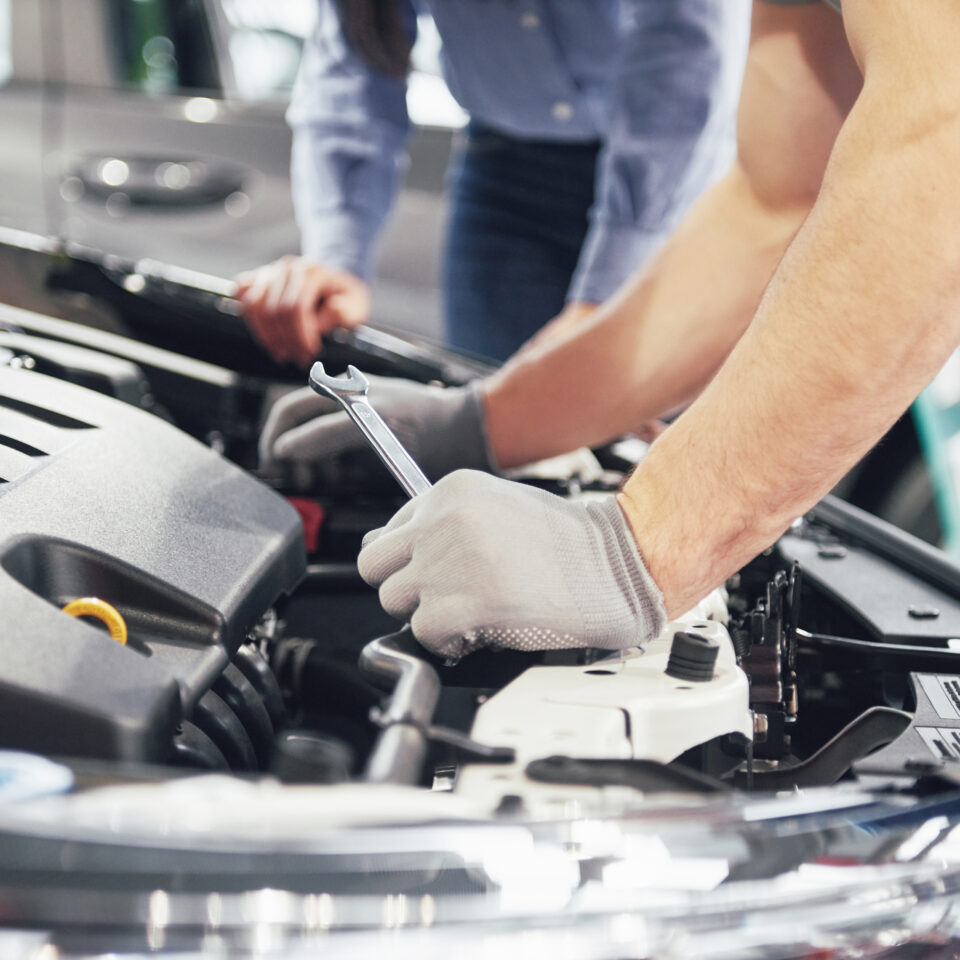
[
  {"x": 262, "y": 756},
  {"x": 254, "y": 647}
]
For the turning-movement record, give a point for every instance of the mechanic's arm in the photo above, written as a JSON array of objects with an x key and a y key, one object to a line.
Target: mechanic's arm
[
  {"x": 863, "y": 311},
  {"x": 658, "y": 342},
  {"x": 350, "y": 127}
]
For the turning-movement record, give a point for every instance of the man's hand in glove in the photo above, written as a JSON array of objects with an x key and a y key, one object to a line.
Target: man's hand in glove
[
  {"x": 480, "y": 561},
  {"x": 442, "y": 428}
]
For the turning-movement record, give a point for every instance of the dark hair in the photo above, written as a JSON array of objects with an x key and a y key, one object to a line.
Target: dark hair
[{"x": 376, "y": 30}]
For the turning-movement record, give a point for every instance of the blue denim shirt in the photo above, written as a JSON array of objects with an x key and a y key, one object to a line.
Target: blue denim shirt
[{"x": 657, "y": 81}]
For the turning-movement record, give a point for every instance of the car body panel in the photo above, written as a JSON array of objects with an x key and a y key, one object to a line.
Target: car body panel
[
  {"x": 22, "y": 114},
  {"x": 75, "y": 109}
]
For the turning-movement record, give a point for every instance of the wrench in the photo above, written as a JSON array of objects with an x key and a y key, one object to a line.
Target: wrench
[{"x": 351, "y": 393}]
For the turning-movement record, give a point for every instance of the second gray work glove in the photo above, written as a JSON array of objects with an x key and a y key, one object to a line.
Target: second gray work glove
[
  {"x": 480, "y": 561},
  {"x": 442, "y": 428}
]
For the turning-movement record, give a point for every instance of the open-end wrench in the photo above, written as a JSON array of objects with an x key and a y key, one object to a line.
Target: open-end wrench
[{"x": 351, "y": 393}]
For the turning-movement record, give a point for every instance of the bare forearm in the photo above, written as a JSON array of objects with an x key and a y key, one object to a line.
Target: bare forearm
[
  {"x": 861, "y": 314},
  {"x": 655, "y": 344}
]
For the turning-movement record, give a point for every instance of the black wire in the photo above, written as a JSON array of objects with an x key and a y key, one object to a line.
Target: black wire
[{"x": 879, "y": 651}]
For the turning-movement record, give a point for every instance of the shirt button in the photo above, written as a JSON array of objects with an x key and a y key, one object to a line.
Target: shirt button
[
  {"x": 562, "y": 110},
  {"x": 530, "y": 21}
]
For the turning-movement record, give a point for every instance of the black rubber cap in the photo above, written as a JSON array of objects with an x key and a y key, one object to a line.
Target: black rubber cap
[
  {"x": 302, "y": 756},
  {"x": 692, "y": 658}
]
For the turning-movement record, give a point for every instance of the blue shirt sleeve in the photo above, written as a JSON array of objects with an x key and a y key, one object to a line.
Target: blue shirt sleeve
[
  {"x": 670, "y": 131},
  {"x": 350, "y": 128}
]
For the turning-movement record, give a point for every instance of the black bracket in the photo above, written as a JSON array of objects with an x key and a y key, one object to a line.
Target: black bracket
[{"x": 467, "y": 749}]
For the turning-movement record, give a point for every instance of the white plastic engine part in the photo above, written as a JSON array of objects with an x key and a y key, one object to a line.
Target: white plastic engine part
[{"x": 623, "y": 707}]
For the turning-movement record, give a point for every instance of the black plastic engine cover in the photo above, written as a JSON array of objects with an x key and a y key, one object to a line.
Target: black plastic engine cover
[{"x": 100, "y": 499}]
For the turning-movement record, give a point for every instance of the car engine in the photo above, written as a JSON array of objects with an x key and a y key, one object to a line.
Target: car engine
[
  {"x": 254, "y": 646},
  {"x": 169, "y": 612},
  {"x": 105, "y": 501}
]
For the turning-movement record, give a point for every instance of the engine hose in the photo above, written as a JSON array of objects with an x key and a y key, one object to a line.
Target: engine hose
[
  {"x": 221, "y": 725},
  {"x": 256, "y": 669},
  {"x": 401, "y": 748},
  {"x": 240, "y": 696},
  {"x": 289, "y": 658},
  {"x": 193, "y": 748}
]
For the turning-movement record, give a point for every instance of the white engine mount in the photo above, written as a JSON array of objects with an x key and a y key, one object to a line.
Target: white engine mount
[{"x": 624, "y": 707}]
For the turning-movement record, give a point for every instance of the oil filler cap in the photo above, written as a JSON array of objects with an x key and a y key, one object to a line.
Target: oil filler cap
[{"x": 692, "y": 657}]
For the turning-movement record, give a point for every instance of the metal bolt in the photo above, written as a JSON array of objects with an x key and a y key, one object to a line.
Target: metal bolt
[
  {"x": 760, "y": 726},
  {"x": 832, "y": 552}
]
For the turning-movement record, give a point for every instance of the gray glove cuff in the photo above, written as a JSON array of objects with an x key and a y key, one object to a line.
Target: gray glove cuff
[
  {"x": 457, "y": 440},
  {"x": 478, "y": 416},
  {"x": 636, "y": 586}
]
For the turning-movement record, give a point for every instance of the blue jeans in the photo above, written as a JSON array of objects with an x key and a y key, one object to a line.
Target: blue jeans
[{"x": 517, "y": 221}]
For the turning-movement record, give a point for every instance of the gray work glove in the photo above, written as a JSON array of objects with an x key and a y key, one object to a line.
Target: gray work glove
[
  {"x": 442, "y": 428},
  {"x": 479, "y": 560}
]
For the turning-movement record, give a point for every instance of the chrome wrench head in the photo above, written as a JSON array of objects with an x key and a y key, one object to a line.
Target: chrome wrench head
[
  {"x": 353, "y": 384},
  {"x": 351, "y": 393}
]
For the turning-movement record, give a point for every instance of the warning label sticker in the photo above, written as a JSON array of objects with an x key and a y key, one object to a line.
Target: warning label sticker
[
  {"x": 943, "y": 693},
  {"x": 944, "y": 742}
]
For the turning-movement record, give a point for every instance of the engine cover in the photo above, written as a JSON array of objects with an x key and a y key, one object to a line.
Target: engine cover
[{"x": 98, "y": 498}]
